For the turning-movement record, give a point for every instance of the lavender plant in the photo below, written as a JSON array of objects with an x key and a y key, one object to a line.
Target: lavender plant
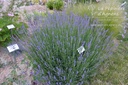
[{"x": 52, "y": 48}]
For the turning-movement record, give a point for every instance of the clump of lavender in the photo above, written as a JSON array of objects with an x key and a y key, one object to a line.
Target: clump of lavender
[{"x": 52, "y": 48}]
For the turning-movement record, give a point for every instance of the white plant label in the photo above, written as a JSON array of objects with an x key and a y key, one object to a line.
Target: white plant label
[
  {"x": 12, "y": 48},
  {"x": 10, "y": 26},
  {"x": 81, "y": 49},
  {"x": 123, "y": 4}
]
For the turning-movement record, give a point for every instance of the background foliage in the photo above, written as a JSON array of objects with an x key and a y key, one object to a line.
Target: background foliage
[
  {"x": 114, "y": 70},
  {"x": 5, "y": 33},
  {"x": 55, "y": 4},
  {"x": 109, "y": 13}
]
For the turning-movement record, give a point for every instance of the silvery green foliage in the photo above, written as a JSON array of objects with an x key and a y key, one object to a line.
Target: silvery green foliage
[{"x": 52, "y": 49}]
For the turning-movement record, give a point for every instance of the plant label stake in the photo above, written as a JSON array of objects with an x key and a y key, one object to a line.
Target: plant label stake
[
  {"x": 12, "y": 48},
  {"x": 10, "y": 26},
  {"x": 81, "y": 49},
  {"x": 122, "y": 5}
]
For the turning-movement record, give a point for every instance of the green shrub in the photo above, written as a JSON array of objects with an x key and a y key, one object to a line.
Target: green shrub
[
  {"x": 5, "y": 33},
  {"x": 55, "y": 4},
  {"x": 109, "y": 13},
  {"x": 58, "y": 5},
  {"x": 52, "y": 49},
  {"x": 50, "y": 4}
]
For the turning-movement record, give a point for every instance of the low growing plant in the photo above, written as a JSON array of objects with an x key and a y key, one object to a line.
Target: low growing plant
[
  {"x": 5, "y": 33},
  {"x": 52, "y": 49},
  {"x": 55, "y": 4},
  {"x": 50, "y": 4},
  {"x": 58, "y": 5}
]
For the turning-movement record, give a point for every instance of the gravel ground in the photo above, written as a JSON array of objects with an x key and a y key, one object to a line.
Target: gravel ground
[
  {"x": 7, "y": 59},
  {"x": 7, "y": 64}
]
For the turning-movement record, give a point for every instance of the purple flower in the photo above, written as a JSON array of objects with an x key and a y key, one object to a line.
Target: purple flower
[
  {"x": 123, "y": 36},
  {"x": 31, "y": 73},
  {"x": 125, "y": 31},
  {"x": 10, "y": 14}
]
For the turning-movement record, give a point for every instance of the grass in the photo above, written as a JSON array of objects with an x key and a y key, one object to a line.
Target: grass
[
  {"x": 109, "y": 13},
  {"x": 115, "y": 70}
]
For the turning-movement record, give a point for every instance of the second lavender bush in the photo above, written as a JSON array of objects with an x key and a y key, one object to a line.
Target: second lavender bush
[{"x": 52, "y": 49}]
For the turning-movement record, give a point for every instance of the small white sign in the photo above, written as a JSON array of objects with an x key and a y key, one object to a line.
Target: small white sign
[
  {"x": 0, "y": 29},
  {"x": 81, "y": 49},
  {"x": 12, "y": 48},
  {"x": 123, "y": 4},
  {"x": 10, "y": 26}
]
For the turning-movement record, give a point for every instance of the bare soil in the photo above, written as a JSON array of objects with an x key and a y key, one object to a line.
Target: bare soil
[{"x": 6, "y": 59}]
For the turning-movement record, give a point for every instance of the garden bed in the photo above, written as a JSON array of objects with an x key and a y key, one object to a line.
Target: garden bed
[{"x": 65, "y": 48}]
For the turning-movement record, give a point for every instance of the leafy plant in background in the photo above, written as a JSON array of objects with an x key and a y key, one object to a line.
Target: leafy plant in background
[
  {"x": 52, "y": 48},
  {"x": 58, "y": 5},
  {"x": 50, "y": 4},
  {"x": 5, "y": 33},
  {"x": 55, "y": 4},
  {"x": 109, "y": 13},
  {"x": 9, "y": 17}
]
